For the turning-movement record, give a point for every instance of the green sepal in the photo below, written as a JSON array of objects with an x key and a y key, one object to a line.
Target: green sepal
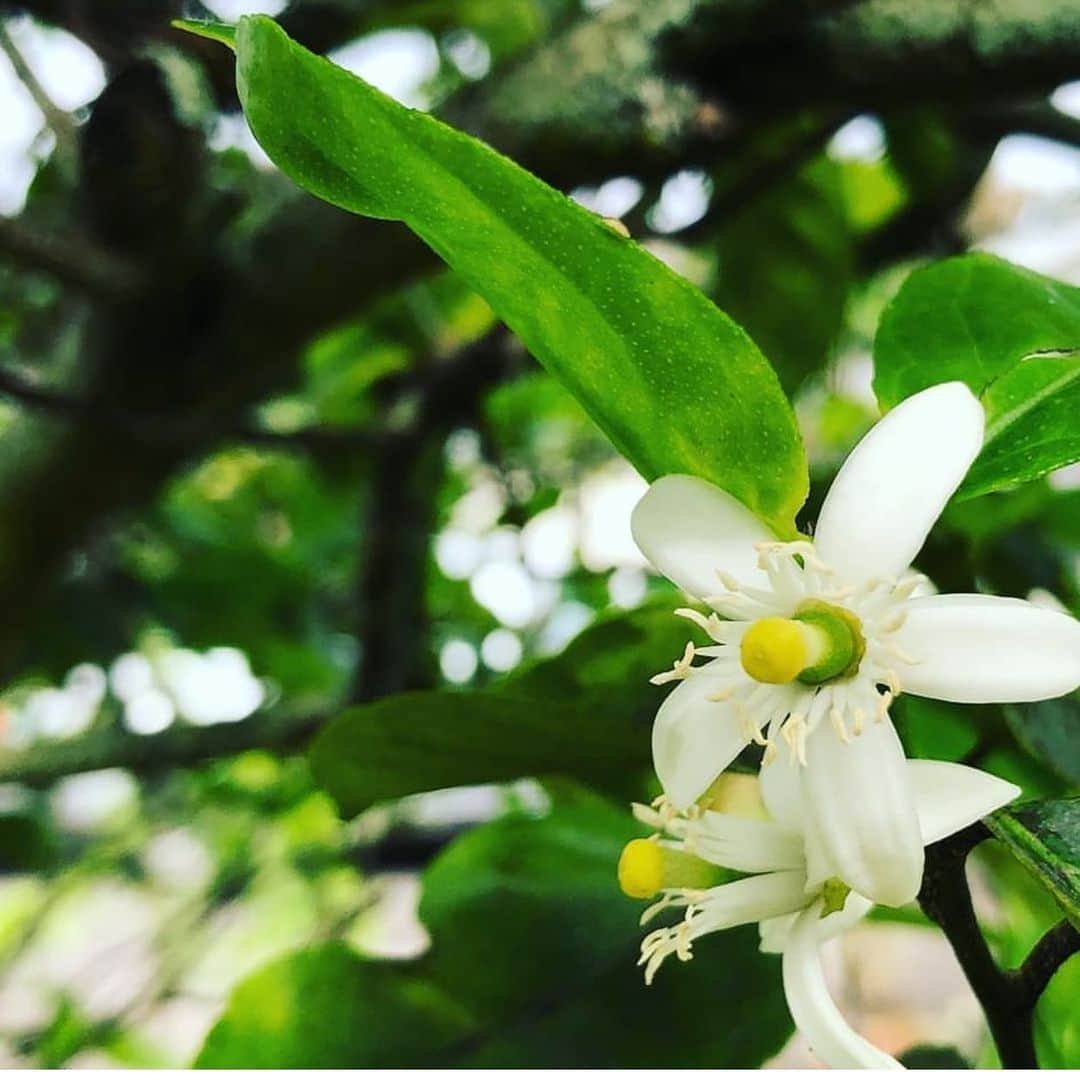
[{"x": 847, "y": 646}]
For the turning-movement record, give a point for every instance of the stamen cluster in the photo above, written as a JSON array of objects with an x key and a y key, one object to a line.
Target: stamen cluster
[{"x": 797, "y": 576}]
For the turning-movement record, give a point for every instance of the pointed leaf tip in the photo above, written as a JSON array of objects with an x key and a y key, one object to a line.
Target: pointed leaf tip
[{"x": 214, "y": 31}]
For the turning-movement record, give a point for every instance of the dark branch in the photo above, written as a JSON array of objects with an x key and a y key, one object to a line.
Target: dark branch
[
  {"x": 406, "y": 468},
  {"x": 180, "y": 745},
  {"x": 1008, "y": 998},
  {"x": 1056, "y": 946},
  {"x": 72, "y": 261},
  {"x": 174, "y": 431},
  {"x": 946, "y": 898}
]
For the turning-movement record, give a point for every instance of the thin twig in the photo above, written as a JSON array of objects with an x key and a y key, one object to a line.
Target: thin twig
[
  {"x": 45, "y": 762},
  {"x": 151, "y": 429},
  {"x": 59, "y": 122},
  {"x": 1051, "y": 951},
  {"x": 69, "y": 259}
]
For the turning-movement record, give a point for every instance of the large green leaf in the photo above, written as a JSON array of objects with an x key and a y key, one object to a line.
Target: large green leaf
[
  {"x": 423, "y": 741},
  {"x": 1013, "y": 336},
  {"x": 584, "y": 713},
  {"x": 1045, "y": 837},
  {"x": 532, "y": 963},
  {"x": 325, "y": 1008},
  {"x": 1050, "y": 730},
  {"x": 675, "y": 384}
]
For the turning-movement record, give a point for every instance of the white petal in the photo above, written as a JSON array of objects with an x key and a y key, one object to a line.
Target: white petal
[
  {"x": 858, "y": 797},
  {"x": 781, "y": 781},
  {"x": 774, "y": 932},
  {"x": 694, "y": 739},
  {"x": 974, "y": 648},
  {"x": 689, "y": 529},
  {"x": 814, "y": 1011},
  {"x": 751, "y": 899},
  {"x": 741, "y": 843},
  {"x": 893, "y": 487},
  {"x": 856, "y": 907},
  {"x": 950, "y": 797}
]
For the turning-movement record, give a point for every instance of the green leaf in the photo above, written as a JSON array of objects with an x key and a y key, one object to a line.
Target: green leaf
[
  {"x": 1013, "y": 336},
  {"x": 673, "y": 382},
  {"x": 27, "y": 843},
  {"x": 533, "y": 962},
  {"x": 584, "y": 713},
  {"x": 326, "y": 1008},
  {"x": 426, "y": 740},
  {"x": 1050, "y": 731},
  {"x": 212, "y": 31},
  {"x": 1045, "y": 837},
  {"x": 785, "y": 269}
]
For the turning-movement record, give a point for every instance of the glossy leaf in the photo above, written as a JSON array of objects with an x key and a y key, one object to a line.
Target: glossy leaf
[
  {"x": 1045, "y": 837},
  {"x": 1012, "y": 335},
  {"x": 675, "y": 384},
  {"x": 532, "y": 963},
  {"x": 584, "y": 713},
  {"x": 1050, "y": 730}
]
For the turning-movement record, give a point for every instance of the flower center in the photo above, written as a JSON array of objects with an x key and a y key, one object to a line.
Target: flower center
[
  {"x": 647, "y": 867},
  {"x": 818, "y": 643}
]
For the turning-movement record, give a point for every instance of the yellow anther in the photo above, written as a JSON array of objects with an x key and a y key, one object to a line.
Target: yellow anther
[
  {"x": 647, "y": 867},
  {"x": 641, "y": 869},
  {"x": 775, "y": 650}
]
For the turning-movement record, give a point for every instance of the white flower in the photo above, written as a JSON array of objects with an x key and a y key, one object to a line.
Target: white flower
[
  {"x": 794, "y": 914},
  {"x": 813, "y": 640}
]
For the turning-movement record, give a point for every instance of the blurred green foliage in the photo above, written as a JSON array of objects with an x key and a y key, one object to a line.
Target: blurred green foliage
[{"x": 253, "y": 894}]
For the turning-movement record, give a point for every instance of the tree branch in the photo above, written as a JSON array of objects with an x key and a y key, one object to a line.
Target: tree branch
[
  {"x": 45, "y": 762},
  {"x": 175, "y": 431},
  {"x": 60, "y": 122},
  {"x": 1056, "y": 946},
  {"x": 71, "y": 260},
  {"x": 406, "y": 469},
  {"x": 946, "y": 899},
  {"x": 1008, "y": 998}
]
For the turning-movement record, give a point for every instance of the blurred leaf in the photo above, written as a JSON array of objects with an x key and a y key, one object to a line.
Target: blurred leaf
[
  {"x": 533, "y": 914},
  {"x": 532, "y": 963},
  {"x": 934, "y": 729},
  {"x": 326, "y": 1008},
  {"x": 675, "y": 384},
  {"x": 1050, "y": 730},
  {"x": 785, "y": 269},
  {"x": 27, "y": 843},
  {"x": 426, "y": 740},
  {"x": 506, "y": 27},
  {"x": 984, "y": 321},
  {"x": 584, "y": 713},
  {"x": 259, "y": 550},
  {"x": 872, "y": 191},
  {"x": 69, "y": 1032},
  {"x": 1045, "y": 837}
]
